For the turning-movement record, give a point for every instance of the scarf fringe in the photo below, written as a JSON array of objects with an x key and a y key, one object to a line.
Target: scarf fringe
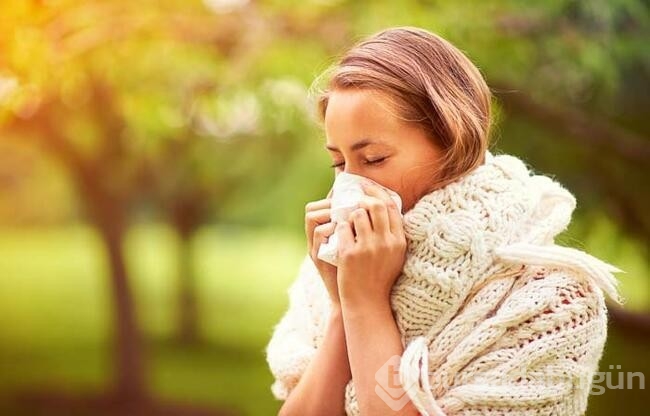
[
  {"x": 414, "y": 377},
  {"x": 588, "y": 266}
]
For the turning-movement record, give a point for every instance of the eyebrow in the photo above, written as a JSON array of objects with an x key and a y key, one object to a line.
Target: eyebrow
[{"x": 357, "y": 146}]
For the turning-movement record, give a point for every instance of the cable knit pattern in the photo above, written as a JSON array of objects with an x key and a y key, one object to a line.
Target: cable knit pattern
[{"x": 495, "y": 317}]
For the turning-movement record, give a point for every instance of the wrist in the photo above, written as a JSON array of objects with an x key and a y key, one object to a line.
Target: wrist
[
  {"x": 335, "y": 321},
  {"x": 335, "y": 310},
  {"x": 375, "y": 298},
  {"x": 364, "y": 305}
]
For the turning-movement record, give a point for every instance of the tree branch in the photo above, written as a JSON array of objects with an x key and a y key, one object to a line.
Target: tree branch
[
  {"x": 39, "y": 127},
  {"x": 576, "y": 124}
]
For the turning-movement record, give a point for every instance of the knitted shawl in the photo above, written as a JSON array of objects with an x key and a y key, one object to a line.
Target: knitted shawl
[{"x": 494, "y": 316}]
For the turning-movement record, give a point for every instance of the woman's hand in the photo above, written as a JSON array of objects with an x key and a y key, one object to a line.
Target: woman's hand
[
  {"x": 370, "y": 263},
  {"x": 318, "y": 227}
]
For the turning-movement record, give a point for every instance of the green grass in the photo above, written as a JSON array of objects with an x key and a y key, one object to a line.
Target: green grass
[
  {"x": 55, "y": 311},
  {"x": 56, "y": 321}
]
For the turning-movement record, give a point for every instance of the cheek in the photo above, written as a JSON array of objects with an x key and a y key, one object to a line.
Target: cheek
[
  {"x": 414, "y": 184},
  {"x": 408, "y": 181}
]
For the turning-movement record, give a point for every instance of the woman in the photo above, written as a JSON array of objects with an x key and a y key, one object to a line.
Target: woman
[{"x": 462, "y": 306}]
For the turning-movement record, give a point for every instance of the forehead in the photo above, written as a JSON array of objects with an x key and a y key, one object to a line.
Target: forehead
[{"x": 356, "y": 114}]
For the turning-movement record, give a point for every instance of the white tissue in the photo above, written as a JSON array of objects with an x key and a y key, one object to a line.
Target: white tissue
[{"x": 346, "y": 194}]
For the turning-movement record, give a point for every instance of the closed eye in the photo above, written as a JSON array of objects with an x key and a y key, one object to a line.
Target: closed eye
[
  {"x": 375, "y": 161},
  {"x": 367, "y": 162}
]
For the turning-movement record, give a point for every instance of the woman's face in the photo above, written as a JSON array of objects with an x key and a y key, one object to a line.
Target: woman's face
[{"x": 367, "y": 138}]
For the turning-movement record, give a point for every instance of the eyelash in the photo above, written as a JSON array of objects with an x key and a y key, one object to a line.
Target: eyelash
[{"x": 367, "y": 162}]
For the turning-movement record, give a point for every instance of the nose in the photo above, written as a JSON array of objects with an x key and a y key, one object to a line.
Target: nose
[
  {"x": 359, "y": 171},
  {"x": 352, "y": 170}
]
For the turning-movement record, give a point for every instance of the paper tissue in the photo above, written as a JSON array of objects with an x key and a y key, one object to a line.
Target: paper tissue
[{"x": 346, "y": 194}]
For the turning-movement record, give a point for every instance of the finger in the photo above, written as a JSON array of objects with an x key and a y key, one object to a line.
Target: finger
[
  {"x": 316, "y": 205},
  {"x": 378, "y": 213},
  {"x": 319, "y": 216},
  {"x": 361, "y": 222},
  {"x": 372, "y": 189},
  {"x": 394, "y": 215},
  {"x": 321, "y": 235},
  {"x": 324, "y": 231},
  {"x": 345, "y": 235},
  {"x": 395, "y": 220},
  {"x": 314, "y": 219}
]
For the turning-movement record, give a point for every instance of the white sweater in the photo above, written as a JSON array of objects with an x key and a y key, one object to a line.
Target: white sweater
[{"x": 494, "y": 317}]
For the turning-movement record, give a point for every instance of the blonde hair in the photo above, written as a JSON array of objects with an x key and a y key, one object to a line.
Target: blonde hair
[{"x": 431, "y": 83}]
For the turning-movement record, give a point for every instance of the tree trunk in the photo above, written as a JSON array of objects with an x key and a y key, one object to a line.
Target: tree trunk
[
  {"x": 186, "y": 213},
  {"x": 129, "y": 364},
  {"x": 188, "y": 323}
]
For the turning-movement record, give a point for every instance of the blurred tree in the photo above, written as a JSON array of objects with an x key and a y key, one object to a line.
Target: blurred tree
[{"x": 85, "y": 82}]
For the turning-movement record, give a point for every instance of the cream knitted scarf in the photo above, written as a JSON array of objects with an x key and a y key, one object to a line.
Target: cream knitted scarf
[{"x": 495, "y": 317}]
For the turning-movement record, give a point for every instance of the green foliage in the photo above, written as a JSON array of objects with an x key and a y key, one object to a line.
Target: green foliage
[
  {"x": 217, "y": 102},
  {"x": 55, "y": 310}
]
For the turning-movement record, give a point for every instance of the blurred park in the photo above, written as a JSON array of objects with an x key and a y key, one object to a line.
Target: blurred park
[{"x": 156, "y": 158}]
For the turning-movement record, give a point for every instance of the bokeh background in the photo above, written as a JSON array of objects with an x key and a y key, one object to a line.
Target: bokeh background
[{"x": 156, "y": 157}]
